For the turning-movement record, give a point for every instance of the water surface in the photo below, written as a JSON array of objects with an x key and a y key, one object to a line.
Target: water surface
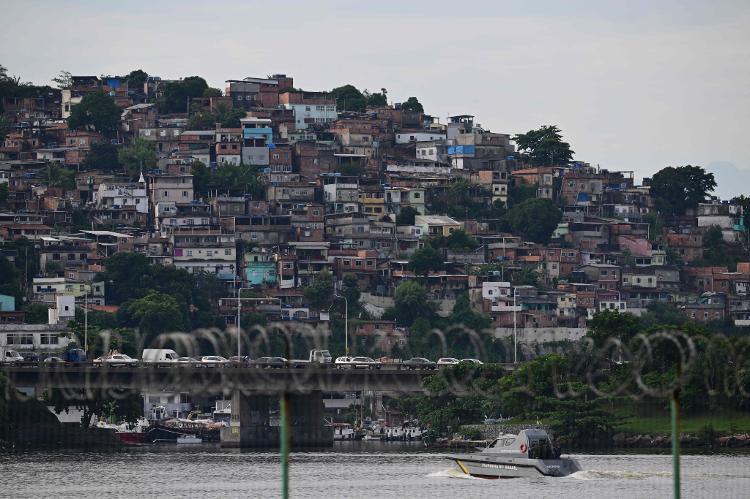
[{"x": 347, "y": 470}]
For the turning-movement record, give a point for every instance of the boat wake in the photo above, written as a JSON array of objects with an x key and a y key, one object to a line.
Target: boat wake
[
  {"x": 613, "y": 475},
  {"x": 452, "y": 473}
]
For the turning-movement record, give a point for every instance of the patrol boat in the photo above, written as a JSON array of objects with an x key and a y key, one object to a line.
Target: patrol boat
[{"x": 528, "y": 454}]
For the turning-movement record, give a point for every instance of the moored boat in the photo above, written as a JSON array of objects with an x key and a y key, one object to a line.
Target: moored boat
[{"x": 531, "y": 453}]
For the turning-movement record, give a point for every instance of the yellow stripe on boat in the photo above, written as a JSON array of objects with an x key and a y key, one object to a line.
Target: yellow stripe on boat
[{"x": 461, "y": 465}]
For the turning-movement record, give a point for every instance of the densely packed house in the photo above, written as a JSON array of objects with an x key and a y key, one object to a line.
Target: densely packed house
[{"x": 266, "y": 186}]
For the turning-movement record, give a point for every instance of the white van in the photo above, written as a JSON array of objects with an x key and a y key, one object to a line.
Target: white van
[
  {"x": 159, "y": 355},
  {"x": 9, "y": 355}
]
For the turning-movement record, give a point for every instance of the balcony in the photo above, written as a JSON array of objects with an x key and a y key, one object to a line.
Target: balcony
[{"x": 505, "y": 308}]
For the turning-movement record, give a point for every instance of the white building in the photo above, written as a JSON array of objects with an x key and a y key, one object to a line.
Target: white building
[
  {"x": 205, "y": 251},
  {"x": 306, "y": 114},
  {"x": 122, "y": 195},
  {"x": 63, "y": 311},
  {"x": 494, "y": 290},
  {"x": 418, "y": 136},
  {"x": 43, "y": 339}
]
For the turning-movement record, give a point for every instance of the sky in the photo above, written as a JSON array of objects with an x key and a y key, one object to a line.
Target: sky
[{"x": 635, "y": 85}]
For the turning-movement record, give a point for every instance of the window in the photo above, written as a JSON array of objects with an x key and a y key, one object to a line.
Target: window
[
  {"x": 358, "y": 263},
  {"x": 228, "y": 252},
  {"x": 189, "y": 252},
  {"x": 20, "y": 339},
  {"x": 184, "y": 194},
  {"x": 48, "y": 339}
]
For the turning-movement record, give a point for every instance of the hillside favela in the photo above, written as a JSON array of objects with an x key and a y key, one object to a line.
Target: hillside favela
[{"x": 262, "y": 287}]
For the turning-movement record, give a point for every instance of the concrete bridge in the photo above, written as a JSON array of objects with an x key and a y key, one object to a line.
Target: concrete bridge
[
  {"x": 254, "y": 391},
  {"x": 215, "y": 379}
]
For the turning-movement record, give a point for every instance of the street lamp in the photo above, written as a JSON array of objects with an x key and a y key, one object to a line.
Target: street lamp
[
  {"x": 515, "y": 334},
  {"x": 346, "y": 323},
  {"x": 86, "y": 322},
  {"x": 239, "y": 312}
]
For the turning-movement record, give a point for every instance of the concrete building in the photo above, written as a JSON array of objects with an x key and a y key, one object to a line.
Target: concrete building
[{"x": 310, "y": 108}]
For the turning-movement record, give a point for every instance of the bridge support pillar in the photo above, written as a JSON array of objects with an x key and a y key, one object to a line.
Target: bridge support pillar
[{"x": 251, "y": 425}]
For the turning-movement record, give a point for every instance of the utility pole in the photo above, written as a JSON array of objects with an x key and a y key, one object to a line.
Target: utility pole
[
  {"x": 86, "y": 323},
  {"x": 346, "y": 324},
  {"x": 239, "y": 312},
  {"x": 515, "y": 335}
]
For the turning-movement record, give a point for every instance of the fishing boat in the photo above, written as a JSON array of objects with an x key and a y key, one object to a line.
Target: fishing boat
[
  {"x": 126, "y": 433},
  {"x": 342, "y": 431},
  {"x": 531, "y": 453}
]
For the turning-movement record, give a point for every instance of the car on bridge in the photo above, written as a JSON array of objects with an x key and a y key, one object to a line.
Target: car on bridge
[
  {"x": 9, "y": 355},
  {"x": 115, "y": 358},
  {"x": 419, "y": 363},
  {"x": 270, "y": 362},
  {"x": 187, "y": 360},
  {"x": 473, "y": 361},
  {"x": 357, "y": 363},
  {"x": 213, "y": 360},
  {"x": 242, "y": 359},
  {"x": 447, "y": 361}
]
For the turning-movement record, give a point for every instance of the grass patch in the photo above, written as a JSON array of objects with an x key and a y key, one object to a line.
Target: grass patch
[{"x": 660, "y": 423}]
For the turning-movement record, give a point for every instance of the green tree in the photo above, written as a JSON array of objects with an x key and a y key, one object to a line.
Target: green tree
[
  {"x": 118, "y": 404},
  {"x": 231, "y": 179},
  {"x": 206, "y": 120},
  {"x": 519, "y": 192},
  {"x": 320, "y": 292},
  {"x": 55, "y": 175},
  {"x": 457, "y": 240},
  {"x": 714, "y": 249},
  {"x": 5, "y": 124},
  {"x": 348, "y": 98},
  {"x": 178, "y": 94},
  {"x": 139, "y": 156},
  {"x": 212, "y": 92},
  {"x": 136, "y": 79},
  {"x": 377, "y": 99},
  {"x": 154, "y": 314},
  {"x": 525, "y": 277},
  {"x": 35, "y": 313},
  {"x": 535, "y": 219},
  {"x": 655, "y": 226},
  {"x": 10, "y": 283},
  {"x": 4, "y": 193},
  {"x": 412, "y": 104},
  {"x": 96, "y": 111},
  {"x": 102, "y": 156},
  {"x": 544, "y": 146},
  {"x": 613, "y": 324},
  {"x": 677, "y": 189},
  {"x": 406, "y": 216},
  {"x": 463, "y": 314},
  {"x": 426, "y": 259},
  {"x": 350, "y": 290},
  {"x": 411, "y": 303},
  {"x": 124, "y": 276},
  {"x": 64, "y": 79}
]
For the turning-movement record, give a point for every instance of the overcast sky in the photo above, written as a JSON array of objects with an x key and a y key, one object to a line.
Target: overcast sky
[{"x": 637, "y": 85}]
